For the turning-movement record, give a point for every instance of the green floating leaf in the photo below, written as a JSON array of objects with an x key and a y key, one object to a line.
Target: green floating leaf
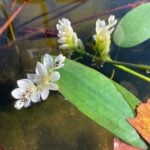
[
  {"x": 134, "y": 27},
  {"x": 102, "y": 100}
]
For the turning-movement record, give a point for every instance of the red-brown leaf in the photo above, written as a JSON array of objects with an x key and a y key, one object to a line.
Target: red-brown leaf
[{"x": 142, "y": 121}]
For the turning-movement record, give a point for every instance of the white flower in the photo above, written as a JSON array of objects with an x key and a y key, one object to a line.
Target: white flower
[
  {"x": 67, "y": 37},
  {"x": 25, "y": 93},
  {"x": 50, "y": 63},
  {"x": 103, "y": 33},
  {"x": 102, "y": 27},
  {"x": 59, "y": 61},
  {"x": 45, "y": 76},
  {"x": 38, "y": 85}
]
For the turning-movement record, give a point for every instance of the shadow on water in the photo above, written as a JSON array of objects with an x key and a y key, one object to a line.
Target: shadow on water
[{"x": 55, "y": 124}]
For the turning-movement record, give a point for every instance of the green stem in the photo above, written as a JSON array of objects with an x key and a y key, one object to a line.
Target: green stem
[
  {"x": 142, "y": 67},
  {"x": 133, "y": 72},
  {"x": 119, "y": 64},
  {"x": 83, "y": 53}
]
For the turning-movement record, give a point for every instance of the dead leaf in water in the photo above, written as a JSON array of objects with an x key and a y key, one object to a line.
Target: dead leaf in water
[{"x": 142, "y": 121}]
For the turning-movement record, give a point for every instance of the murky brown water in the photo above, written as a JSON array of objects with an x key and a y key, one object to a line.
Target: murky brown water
[{"x": 52, "y": 125}]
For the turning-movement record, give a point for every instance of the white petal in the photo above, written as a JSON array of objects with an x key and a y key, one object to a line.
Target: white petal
[
  {"x": 62, "y": 40},
  {"x": 48, "y": 61},
  {"x": 35, "y": 97},
  {"x": 102, "y": 23},
  {"x": 60, "y": 59},
  {"x": 24, "y": 83},
  {"x": 59, "y": 66},
  {"x": 67, "y": 22},
  {"x": 64, "y": 46},
  {"x": 111, "y": 21},
  {"x": 27, "y": 103},
  {"x": 105, "y": 34},
  {"x": 64, "y": 21},
  {"x": 111, "y": 30},
  {"x": 18, "y": 93},
  {"x": 80, "y": 44},
  {"x": 55, "y": 76},
  {"x": 33, "y": 77},
  {"x": 61, "y": 21},
  {"x": 40, "y": 69},
  {"x": 94, "y": 36},
  {"x": 19, "y": 104},
  {"x": 75, "y": 40},
  {"x": 53, "y": 87},
  {"x": 62, "y": 34},
  {"x": 44, "y": 93},
  {"x": 111, "y": 18},
  {"x": 59, "y": 28}
]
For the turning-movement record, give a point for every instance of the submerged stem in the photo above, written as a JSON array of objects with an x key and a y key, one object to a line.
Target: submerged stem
[
  {"x": 12, "y": 17},
  {"x": 9, "y": 24}
]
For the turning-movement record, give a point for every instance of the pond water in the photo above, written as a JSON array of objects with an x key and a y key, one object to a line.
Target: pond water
[{"x": 55, "y": 124}]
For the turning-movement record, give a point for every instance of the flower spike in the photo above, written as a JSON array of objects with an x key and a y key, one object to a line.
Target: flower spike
[
  {"x": 103, "y": 35},
  {"x": 67, "y": 38}
]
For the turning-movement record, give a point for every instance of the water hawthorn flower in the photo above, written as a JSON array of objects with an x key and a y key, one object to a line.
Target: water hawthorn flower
[
  {"x": 103, "y": 35},
  {"x": 38, "y": 85},
  {"x": 46, "y": 76},
  {"x": 25, "y": 93},
  {"x": 67, "y": 38}
]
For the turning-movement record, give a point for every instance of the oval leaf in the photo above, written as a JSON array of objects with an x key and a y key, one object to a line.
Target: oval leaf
[
  {"x": 134, "y": 27},
  {"x": 100, "y": 99}
]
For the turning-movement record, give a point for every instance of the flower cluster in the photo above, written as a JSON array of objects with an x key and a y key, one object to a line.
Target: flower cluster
[
  {"x": 37, "y": 86},
  {"x": 103, "y": 35},
  {"x": 67, "y": 38}
]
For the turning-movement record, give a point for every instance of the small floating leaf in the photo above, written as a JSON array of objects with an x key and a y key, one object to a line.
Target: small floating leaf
[
  {"x": 99, "y": 98},
  {"x": 134, "y": 27}
]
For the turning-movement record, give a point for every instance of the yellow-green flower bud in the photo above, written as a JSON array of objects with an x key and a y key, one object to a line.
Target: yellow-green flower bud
[{"x": 103, "y": 36}]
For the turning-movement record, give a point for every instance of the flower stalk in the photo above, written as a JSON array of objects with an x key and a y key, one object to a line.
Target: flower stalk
[
  {"x": 133, "y": 72},
  {"x": 120, "y": 65},
  {"x": 138, "y": 66}
]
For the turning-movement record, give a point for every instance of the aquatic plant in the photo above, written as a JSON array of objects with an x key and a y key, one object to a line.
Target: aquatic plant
[{"x": 101, "y": 99}]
